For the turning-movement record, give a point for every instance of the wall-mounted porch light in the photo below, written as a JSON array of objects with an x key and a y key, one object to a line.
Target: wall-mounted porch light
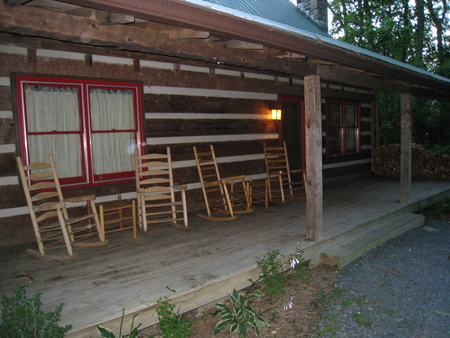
[{"x": 276, "y": 114}]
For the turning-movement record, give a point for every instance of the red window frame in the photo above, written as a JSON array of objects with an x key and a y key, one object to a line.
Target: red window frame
[
  {"x": 343, "y": 128},
  {"x": 85, "y": 131}
]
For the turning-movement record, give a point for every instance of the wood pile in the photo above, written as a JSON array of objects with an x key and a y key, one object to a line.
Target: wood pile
[{"x": 424, "y": 163}]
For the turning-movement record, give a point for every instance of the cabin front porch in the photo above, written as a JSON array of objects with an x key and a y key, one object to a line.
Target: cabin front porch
[{"x": 211, "y": 259}]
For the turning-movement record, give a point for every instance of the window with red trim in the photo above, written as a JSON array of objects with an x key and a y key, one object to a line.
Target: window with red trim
[
  {"x": 343, "y": 127},
  {"x": 90, "y": 126}
]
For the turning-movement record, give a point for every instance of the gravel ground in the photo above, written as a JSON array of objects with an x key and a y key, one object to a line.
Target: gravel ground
[{"x": 398, "y": 289}]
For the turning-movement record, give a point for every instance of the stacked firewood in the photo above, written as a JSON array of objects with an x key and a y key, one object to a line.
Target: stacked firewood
[{"x": 424, "y": 163}]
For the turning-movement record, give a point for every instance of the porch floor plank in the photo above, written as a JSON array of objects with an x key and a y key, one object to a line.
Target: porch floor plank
[{"x": 133, "y": 273}]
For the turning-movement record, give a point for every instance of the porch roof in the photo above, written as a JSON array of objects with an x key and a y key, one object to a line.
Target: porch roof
[
  {"x": 307, "y": 52},
  {"x": 238, "y": 24},
  {"x": 202, "y": 264},
  {"x": 285, "y": 16}
]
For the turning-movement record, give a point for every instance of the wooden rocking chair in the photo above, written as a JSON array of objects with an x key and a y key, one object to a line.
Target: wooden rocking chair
[
  {"x": 156, "y": 192},
  {"x": 258, "y": 192},
  {"x": 53, "y": 227},
  {"x": 229, "y": 196},
  {"x": 281, "y": 186}
]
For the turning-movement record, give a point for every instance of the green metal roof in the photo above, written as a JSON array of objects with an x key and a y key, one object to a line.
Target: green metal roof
[
  {"x": 284, "y": 15},
  {"x": 280, "y": 11}
]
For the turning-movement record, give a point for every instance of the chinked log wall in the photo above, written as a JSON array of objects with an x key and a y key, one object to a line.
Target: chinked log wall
[{"x": 185, "y": 104}]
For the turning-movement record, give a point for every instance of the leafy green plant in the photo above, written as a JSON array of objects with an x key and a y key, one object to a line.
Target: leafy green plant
[
  {"x": 240, "y": 315},
  {"x": 106, "y": 333},
  {"x": 302, "y": 268},
  {"x": 22, "y": 317},
  {"x": 437, "y": 149},
  {"x": 171, "y": 323},
  {"x": 436, "y": 210},
  {"x": 273, "y": 274}
]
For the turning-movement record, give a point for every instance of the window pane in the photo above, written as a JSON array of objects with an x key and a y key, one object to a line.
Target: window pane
[
  {"x": 335, "y": 113},
  {"x": 111, "y": 109},
  {"x": 335, "y": 131},
  {"x": 351, "y": 119},
  {"x": 52, "y": 108},
  {"x": 65, "y": 149},
  {"x": 351, "y": 140},
  {"x": 335, "y": 141},
  {"x": 112, "y": 152}
]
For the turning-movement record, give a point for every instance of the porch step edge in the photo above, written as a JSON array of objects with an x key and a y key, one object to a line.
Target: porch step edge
[{"x": 348, "y": 250}]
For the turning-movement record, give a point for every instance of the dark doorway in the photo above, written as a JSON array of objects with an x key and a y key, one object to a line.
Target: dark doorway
[{"x": 292, "y": 130}]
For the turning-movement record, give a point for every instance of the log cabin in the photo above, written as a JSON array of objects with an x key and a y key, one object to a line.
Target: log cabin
[
  {"x": 198, "y": 73},
  {"x": 190, "y": 85}
]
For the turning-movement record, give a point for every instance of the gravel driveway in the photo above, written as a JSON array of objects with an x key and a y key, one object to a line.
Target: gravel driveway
[{"x": 399, "y": 289}]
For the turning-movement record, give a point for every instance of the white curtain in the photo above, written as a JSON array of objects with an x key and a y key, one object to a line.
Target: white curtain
[
  {"x": 50, "y": 110},
  {"x": 113, "y": 125}
]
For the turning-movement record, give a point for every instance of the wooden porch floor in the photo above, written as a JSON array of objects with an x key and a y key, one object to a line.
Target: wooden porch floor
[{"x": 202, "y": 264}]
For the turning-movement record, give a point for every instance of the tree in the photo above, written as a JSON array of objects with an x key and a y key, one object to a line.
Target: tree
[{"x": 402, "y": 30}]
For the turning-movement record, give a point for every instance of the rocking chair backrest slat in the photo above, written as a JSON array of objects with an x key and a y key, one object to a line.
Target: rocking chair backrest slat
[
  {"x": 279, "y": 175},
  {"x": 155, "y": 190}
]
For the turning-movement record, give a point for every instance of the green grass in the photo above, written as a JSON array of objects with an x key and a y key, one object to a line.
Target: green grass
[{"x": 364, "y": 320}]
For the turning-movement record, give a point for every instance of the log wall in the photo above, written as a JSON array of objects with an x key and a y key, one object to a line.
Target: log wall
[{"x": 185, "y": 103}]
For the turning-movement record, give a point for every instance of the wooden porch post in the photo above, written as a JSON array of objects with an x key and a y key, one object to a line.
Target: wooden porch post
[
  {"x": 313, "y": 135},
  {"x": 405, "y": 148}
]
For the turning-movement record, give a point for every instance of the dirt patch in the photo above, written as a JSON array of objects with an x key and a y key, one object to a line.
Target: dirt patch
[{"x": 302, "y": 320}]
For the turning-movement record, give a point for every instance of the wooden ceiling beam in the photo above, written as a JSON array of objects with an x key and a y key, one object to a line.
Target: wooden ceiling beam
[
  {"x": 341, "y": 75},
  {"x": 185, "y": 33},
  {"x": 37, "y": 22},
  {"x": 238, "y": 44},
  {"x": 14, "y": 3},
  {"x": 118, "y": 18}
]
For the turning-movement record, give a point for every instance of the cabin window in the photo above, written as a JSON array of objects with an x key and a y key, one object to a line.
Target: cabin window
[
  {"x": 90, "y": 126},
  {"x": 343, "y": 132}
]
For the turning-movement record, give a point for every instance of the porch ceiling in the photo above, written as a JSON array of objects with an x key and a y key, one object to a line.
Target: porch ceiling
[{"x": 182, "y": 29}]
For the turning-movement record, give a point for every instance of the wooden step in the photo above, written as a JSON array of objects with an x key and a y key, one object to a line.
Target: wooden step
[{"x": 350, "y": 249}]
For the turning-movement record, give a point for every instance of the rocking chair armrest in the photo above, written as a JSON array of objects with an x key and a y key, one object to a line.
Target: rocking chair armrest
[
  {"x": 212, "y": 183},
  {"x": 180, "y": 187},
  {"x": 80, "y": 199},
  {"x": 233, "y": 178},
  {"x": 48, "y": 206}
]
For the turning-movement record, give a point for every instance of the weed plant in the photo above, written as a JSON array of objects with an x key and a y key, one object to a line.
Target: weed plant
[
  {"x": 171, "y": 323},
  {"x": 273, "y": 275},
  {"x": 22, "y": 317}
]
